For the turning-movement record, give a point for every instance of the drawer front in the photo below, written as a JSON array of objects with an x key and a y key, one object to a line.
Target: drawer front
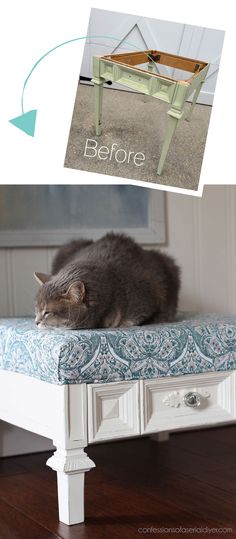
[
  {"x": 113, "y": 410},
  {"x": 187, "y": 401}
]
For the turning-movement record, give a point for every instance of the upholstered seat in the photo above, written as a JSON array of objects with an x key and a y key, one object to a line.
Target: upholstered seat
[{"x": 192, "y": 344}]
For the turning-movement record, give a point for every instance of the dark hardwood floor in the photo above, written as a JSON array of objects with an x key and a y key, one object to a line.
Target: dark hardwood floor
[{"x": 189, "y": 481}]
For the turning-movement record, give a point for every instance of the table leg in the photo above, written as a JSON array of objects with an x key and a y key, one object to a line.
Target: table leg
[
  {"x": 195, "y": 96},
  {"x": 171, "y": 127},
  {"x": 70, "y": 466},
  {"x": 98, "y": 89}
]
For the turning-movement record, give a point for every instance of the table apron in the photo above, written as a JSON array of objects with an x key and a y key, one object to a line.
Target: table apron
[{"x": 145, "y": 83}]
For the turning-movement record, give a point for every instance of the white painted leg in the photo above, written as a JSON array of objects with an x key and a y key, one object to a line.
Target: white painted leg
[
  {"x": 70, "y": 466},
  {"x": 70, "y": 489},
  {"x": 98, "y": 89},
  {"x": 160, "y": 437}
]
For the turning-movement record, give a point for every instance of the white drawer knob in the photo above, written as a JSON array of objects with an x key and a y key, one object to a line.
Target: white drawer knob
[{"x": 192, "y": 399}]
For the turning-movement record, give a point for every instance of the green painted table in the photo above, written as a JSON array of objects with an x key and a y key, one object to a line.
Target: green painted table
[{"x": 125, "y": 69}]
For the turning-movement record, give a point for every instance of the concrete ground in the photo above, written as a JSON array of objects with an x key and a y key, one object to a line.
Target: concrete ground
[{"x": 137, "y": 126}]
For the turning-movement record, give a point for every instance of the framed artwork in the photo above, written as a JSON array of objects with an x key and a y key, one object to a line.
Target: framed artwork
[{"x": 49, "y": 215}]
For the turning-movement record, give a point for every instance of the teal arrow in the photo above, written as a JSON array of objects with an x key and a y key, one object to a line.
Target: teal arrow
[{"x": 27, "y": 120}]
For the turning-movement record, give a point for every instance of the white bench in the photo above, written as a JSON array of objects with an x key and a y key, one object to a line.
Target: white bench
[{"x": 81, "y": 387}]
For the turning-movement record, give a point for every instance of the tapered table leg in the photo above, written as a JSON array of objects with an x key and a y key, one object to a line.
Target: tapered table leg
[
  {"x": 172, "y": 121},
  {"x": 70, "y": 466},
  {"x": 195, "y": 96},
  {"x": 98, "y": 89}
]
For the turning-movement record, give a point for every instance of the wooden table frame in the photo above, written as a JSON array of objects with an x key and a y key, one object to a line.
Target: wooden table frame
[{"x": 123, "y": 69}]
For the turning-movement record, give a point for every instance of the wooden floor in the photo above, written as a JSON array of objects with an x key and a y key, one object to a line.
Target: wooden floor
[{"x": 189, "y": 481}]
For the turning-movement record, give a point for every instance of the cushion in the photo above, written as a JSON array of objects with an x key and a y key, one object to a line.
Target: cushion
[{"x": 192, "y": 344}]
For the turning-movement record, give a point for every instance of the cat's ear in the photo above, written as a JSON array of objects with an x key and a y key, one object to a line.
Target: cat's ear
[
  {"x": 75, "y": 292},
  {"x": 41, "y": 278}
]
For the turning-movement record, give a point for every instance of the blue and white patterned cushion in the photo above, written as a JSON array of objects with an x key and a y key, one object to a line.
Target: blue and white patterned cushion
[{"x": 192, "y": 344}]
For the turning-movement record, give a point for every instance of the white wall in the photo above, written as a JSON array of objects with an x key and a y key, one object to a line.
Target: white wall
[{"x": 202, "y": 237}]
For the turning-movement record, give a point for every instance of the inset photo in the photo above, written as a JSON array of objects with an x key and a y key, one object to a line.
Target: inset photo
[{"x": 144, "y": 99}]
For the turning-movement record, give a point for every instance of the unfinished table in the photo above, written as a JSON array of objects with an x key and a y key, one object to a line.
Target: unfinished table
[{"x": 125, "y": 69}]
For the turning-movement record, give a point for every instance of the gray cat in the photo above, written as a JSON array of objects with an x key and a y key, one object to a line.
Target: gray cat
[{"x": 112, "y": 282}]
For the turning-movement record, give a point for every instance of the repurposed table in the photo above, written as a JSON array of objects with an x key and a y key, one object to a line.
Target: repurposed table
[
  {"x": 125, "y": 69},
  {"x": 78, "y": 387}
]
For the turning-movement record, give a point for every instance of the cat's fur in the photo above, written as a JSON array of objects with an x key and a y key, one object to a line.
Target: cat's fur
[{"x": 112, "y": 282}]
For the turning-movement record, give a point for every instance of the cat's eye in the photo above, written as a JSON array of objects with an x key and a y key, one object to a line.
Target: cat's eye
[{"x": 46, "y": 314}]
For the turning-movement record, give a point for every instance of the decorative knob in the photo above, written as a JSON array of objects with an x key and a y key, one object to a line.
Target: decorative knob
[{"x": 192, "y": 399}]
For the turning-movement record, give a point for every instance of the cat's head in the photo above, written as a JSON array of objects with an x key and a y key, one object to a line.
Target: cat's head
[{"x": 59, "y": 303}]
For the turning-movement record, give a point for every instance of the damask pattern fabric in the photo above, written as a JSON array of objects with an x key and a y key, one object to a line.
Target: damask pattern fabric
[{"x": 192, "y": 344}]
